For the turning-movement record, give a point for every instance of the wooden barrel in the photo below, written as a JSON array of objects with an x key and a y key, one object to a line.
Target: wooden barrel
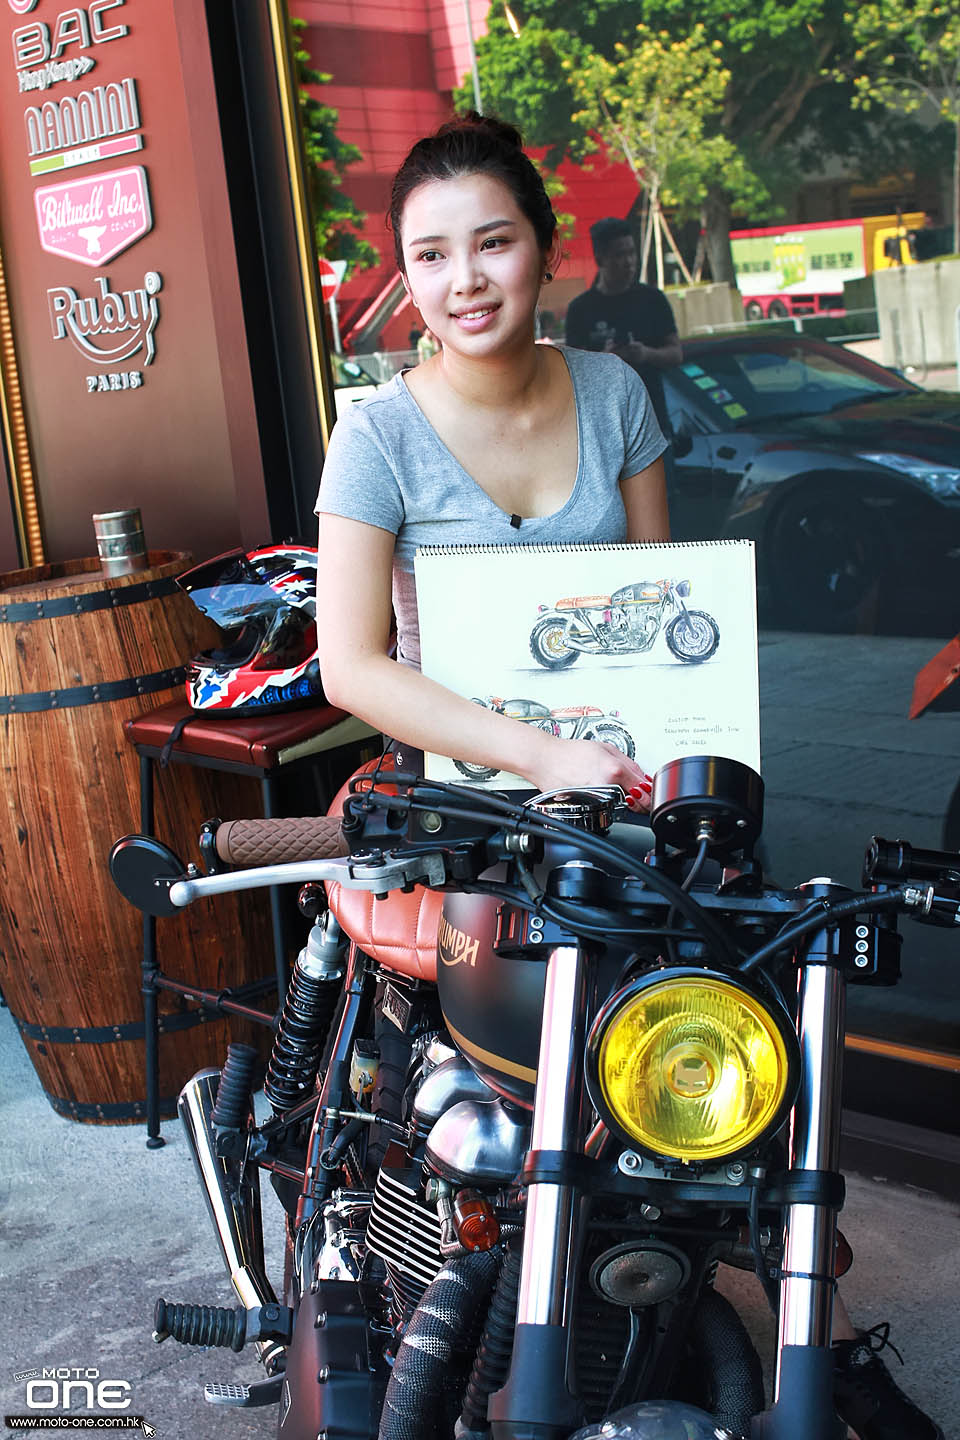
[{"x": 79, "y": 654}]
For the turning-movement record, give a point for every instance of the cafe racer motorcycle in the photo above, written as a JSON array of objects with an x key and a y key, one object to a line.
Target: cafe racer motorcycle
[
  {"x": 570, "y": 722},
  {"x": 523, "y": 1108},
  {"x": 625, "y": 622}
]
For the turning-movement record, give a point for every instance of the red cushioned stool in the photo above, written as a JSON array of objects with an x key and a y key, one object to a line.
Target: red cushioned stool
[{"x": 264, "y": 747}]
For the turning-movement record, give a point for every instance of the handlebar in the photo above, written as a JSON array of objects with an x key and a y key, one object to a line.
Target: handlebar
[{"x": 278, "y": 842}]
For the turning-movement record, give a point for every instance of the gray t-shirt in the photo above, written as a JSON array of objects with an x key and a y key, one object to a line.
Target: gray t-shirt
[{"x": 387, "y": 466}]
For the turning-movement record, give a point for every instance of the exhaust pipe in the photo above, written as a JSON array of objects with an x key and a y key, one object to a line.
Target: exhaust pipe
[{"x": 235, "y": 1211}]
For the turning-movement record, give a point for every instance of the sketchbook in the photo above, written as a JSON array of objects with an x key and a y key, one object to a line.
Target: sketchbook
[{"x": 650, "y": 647}]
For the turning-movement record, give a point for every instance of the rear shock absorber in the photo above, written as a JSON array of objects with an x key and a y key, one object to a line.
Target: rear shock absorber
[{"x": 307, "y": 1012}]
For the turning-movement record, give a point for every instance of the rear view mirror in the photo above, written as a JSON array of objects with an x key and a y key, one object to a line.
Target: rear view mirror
[{"x": 143, "y": 870}]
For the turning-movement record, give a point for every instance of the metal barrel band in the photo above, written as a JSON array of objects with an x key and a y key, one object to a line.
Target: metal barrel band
[
  {"x": 108, "y": 1034},
  {"x": 23, "y": 611},
  {"x": 36, "y": 701},
  {"x": 116, "y": 1110}
]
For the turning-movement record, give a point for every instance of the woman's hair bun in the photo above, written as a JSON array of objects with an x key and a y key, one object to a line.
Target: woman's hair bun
[{"x": 498, "y": 130}]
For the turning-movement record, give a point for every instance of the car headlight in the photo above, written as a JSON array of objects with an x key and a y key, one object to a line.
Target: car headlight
[
  {"x": 692, "y": 1065},
  {"x": 938, "y": 479}
]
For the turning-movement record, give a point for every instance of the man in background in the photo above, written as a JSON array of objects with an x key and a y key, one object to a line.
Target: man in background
[{"x": 621, "y": 315}]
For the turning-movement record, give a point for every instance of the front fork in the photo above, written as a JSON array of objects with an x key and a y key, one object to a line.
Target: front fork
[
  {"x": 535, "y": 1403},
  {"x": 803, "y": 1390}
]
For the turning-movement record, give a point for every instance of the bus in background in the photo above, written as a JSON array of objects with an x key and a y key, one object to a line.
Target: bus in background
[{"x": 784, "y": 270}]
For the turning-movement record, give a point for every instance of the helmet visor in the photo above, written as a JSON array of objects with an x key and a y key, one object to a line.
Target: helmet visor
[{"x": 229, "y": 590}]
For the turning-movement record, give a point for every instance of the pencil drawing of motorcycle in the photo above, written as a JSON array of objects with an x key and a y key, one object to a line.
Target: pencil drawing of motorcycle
[
  {"x": 570, "y": 722},
  {"x": 626, "y": 622}
]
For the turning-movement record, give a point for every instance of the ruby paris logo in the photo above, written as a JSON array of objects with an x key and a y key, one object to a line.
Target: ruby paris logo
[{"x": 93, "y": 220}]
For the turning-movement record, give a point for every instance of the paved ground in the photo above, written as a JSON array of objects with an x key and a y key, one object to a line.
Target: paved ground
[{"x": 95, "y": 1227}]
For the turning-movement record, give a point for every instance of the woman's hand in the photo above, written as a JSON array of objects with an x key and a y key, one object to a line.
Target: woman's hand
[{"x": 590, "y": 762}]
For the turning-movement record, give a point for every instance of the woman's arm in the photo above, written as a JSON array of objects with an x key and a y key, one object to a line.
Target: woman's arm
[
  {"x": 353, "y": 626},
  {"x": 645, "y": 501}
]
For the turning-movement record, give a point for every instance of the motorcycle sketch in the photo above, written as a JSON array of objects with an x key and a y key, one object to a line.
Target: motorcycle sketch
[
  {"x": 627, "y": 622},
  {"x": 571, "y": 722},
  {"x": 519, "y": 1120}
]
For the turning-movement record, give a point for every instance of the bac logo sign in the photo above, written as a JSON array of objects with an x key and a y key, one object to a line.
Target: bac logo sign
[{"x": 92, "y": 220}]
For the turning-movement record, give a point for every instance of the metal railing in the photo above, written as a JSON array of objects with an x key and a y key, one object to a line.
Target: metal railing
[{"x": 825, "y": 326}]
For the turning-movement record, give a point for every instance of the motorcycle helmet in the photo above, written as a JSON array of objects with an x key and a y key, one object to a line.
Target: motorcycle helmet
[
  {"x": 655, "y": 1420},
  {"x": 264, "y": 601}
]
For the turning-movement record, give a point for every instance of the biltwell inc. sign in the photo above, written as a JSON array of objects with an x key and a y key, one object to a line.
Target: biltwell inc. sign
[
  {"x": 111, "y": 326},
  {"x": 94, "y": 219}
]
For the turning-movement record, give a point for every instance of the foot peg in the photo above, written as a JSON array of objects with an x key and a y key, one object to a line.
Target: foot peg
[
  {"x": 209, "y": 1325},
  {"x": 265, "y": 1392}
]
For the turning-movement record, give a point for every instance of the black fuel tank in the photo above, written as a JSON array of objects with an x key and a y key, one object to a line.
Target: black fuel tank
[{"x": 492, "y": 1004}]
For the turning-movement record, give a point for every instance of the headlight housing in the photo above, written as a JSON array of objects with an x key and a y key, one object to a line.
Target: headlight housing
[
  {"x": 942, "y": 480},
  {"x": 692, "y": 1065}
]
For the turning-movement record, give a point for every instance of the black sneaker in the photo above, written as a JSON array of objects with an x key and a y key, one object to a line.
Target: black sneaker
[{"x": 868, "y": 1398}]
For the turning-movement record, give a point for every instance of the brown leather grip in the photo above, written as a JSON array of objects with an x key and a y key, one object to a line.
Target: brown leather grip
[{"x": 280, "y": 841}]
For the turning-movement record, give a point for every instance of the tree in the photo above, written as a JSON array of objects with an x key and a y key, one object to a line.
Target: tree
[
  {"x": 336, "y": 218},
  {"x": 655, "y": 102},
  {"x": 907, "y": 56},
  {"x": 775, "y": 52}
]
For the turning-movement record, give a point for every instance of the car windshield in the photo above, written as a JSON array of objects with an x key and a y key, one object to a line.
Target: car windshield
[{"x": 744, "y": 388}]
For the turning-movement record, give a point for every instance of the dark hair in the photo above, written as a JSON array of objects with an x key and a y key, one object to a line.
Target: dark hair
[
  {"x": 474, "y": 145},
  {"x": 604, "y": 233}
]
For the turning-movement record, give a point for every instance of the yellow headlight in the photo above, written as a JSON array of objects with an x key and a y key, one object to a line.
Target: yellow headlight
[{"x": 692, "y": 1066}]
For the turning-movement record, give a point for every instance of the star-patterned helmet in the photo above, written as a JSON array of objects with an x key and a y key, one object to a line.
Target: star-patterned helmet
[{"x": 264, "y": 602}]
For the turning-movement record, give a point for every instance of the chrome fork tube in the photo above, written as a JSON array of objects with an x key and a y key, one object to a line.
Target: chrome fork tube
[
  {"x": 557, "y": 1107},
  {"x": 806, "y": 1293},
  {"x": 536, "y": 1403}
]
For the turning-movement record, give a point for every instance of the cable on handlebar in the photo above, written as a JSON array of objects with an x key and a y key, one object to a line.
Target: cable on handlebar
[
  {"x": 818, "y": 916},
  {"x": 531, "y": 822}
]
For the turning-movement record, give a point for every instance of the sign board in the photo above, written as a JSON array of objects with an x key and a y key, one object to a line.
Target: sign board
[
  {"x": 331, "y": 277},
  {"x": 130, "y": 349}
]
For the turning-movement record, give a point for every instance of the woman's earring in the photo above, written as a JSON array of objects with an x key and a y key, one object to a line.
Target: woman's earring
[{"x": 547, "y": 277}]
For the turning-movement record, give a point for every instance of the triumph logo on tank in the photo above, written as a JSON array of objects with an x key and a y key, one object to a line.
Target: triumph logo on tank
[
  {"x": 456, "y": 947},
  {"x": 111, "y": 326},
  {"x": 95, "y": 219}
]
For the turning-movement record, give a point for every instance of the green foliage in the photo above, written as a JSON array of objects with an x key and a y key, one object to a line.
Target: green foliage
[
  {"x": 337, "y": 219},
  {"x": 658, "y": 101},
  {"x": 906, "y": 55}
]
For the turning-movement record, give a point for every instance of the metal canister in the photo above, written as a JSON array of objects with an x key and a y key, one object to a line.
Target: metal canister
[{"x": 120, "y": 542}]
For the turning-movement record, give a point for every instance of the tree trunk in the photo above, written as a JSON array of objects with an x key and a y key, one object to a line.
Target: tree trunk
[
  {"x": 716, "y": 225},
  {"x": 956, "y": 188}
]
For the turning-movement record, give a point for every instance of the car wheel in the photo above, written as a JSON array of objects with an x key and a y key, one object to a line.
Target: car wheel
[
  {"x": 825, "y": 557},
  {"x": 753, "y": 310},
  {"x": 777, "y": 310}
]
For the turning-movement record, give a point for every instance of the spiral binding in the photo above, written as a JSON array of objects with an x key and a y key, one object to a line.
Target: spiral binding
[{"x": 575, "y": 547}]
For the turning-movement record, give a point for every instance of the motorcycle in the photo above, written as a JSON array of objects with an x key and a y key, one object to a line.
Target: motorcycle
[
  {"x": 523, "y": 1109},
  {"x": 626, "y": 622},
  {"x": 572, "y": 722}
]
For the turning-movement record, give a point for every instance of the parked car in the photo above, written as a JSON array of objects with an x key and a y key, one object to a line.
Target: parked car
[
  {"x": 845, "y": 474},
  {"x": 352, "y": 382}
]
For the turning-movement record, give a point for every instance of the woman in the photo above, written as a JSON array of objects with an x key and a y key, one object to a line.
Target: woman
[{"x": 495, "y": 439}]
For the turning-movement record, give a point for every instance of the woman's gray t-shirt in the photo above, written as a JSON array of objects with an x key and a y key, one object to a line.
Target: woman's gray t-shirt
[{"x": 387, "y": 466}]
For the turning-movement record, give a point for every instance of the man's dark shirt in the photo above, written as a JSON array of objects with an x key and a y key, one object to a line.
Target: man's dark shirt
[{"x": 641, "y": 313}]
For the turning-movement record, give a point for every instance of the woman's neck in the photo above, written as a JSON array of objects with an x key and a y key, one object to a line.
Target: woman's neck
[{"x": 496, "y": 382}]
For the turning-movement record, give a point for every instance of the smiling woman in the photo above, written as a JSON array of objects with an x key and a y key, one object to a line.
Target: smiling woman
[{"x": 494, "y": 439}]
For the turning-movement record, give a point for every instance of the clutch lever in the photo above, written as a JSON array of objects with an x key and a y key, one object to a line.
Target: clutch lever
[{"x": 376, "y": 873}]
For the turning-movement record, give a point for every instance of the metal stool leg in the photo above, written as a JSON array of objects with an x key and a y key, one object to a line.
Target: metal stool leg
[
  {"x": 270, "y": 810},
  {"x": 151, "y": 1031}
]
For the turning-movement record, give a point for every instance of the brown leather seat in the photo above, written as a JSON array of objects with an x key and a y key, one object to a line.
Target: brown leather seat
[{"x": 401, "y": 931}]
